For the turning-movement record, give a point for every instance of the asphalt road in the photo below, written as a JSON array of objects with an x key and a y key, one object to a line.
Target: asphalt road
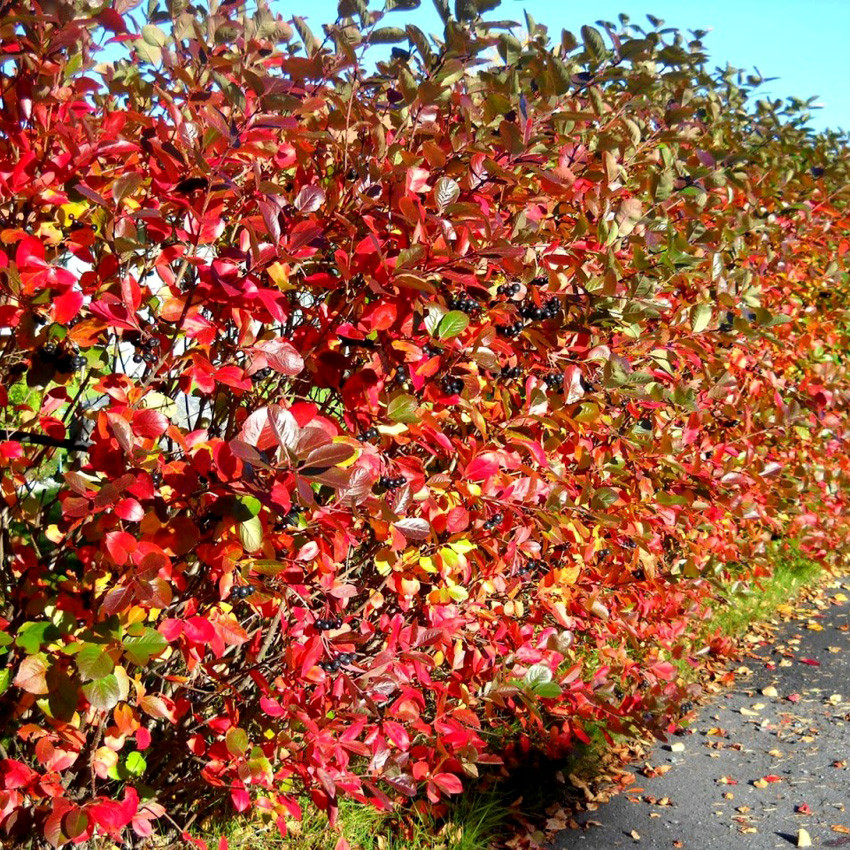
[{"x": 757, "y": 765}]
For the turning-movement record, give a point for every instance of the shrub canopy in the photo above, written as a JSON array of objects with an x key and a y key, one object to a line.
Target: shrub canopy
[{"x": 372, "y": 417}]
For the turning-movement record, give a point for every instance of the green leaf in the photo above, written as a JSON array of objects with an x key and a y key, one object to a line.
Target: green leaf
[
  {"x": 94, "y": 662},
  {"x": 311, "y": 44},
  {"x": 5, "y": 678},
  {"x": 548, "y": 690},
  {"x": 403, "y": 408},
  {"x": 251, "y": 504},
  {"x": 452, "y": 324},
  {"x": 251, "y": 534},
  {"x": 142, "y": 647},
  {"x": 267, "y": 567},
  {"x": 594, "y": 44},
  {"x": 154, "y": 36},
  {"x": 510, "y": 48},
  {"x": 442, "y": 8},
  {"x": 700, "y": 317},
  {"x": 104, "y": 693},
  {"x": 604, "y": 497},
  {"x": 387, "y": 35},
  {"x": 236, "y": 740},
  {"x": 148, "y": 52},
  {"x": 135, "y": 764},
  {"x": 433, "y": 318},
  {"x": 538, "y": 674},
  {"x": 31, "y": 636}
]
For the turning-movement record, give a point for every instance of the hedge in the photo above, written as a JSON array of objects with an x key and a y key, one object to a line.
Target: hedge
[{"x": 374, "y": 415}]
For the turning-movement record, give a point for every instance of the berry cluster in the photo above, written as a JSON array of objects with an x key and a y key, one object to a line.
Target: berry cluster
[
  {"x": 390, "y": 483},
  {"x": 554, "y": 380},
  {"x": 341, "y": 660},
  {"x": 549, "y": 310},
  {"x": 532, "y": 565},
  {"x": 261, "y": 374},
  {"x": 509, "y": 372},
  {"x": 452, "y": 386},
  {"x": 431, "y": 351},
  {"x": 146, "y": 350},
  {"x": 63, "y": 361},
  {"x": 508, "y": 289},
  {"x": 327, "y": 625},
  {"x": 464, "y": 303},
  {"x": 370, "y": 434},
  {"x": 494, "y": 520},
  {"x": 727, "y": 324},
  {"x": 241, "y": 591},
  {"x": 291, "y": 517},
  {"x": 510, "y": 330}
]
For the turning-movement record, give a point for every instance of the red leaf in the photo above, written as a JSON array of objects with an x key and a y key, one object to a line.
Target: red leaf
[
  {"x": 16, "y": 774},
  {"x": 447, "y": 782},
  {"x": 130, "y": 510},
  {"x": 120, "y": 545},
  {"x": 149, "y": 424},
  {"x": 282, "y": 356}
]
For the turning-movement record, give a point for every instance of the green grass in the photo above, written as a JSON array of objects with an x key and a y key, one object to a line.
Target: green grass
[
  {"x": 739, "y": 606},
  {"x": 471, "y": 823}
]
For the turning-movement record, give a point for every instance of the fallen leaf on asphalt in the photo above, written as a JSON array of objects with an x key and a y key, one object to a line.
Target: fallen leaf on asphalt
[
  {"x": 804, "y": 839},
  {"x": 678, "y": 747},
  {"x": 727, "y": 780},
  {"x": 760, "y": 783},
  {"x": 810, "y": 661},
  {"x": 635, "y": 835},
  {"x": 793, "y": 697},
  {"x": 769, "y": 691},
  {"x": 844, "y": 830},
  {"x": 841, "y": 764},
  {"x": 803, "y": 809}
]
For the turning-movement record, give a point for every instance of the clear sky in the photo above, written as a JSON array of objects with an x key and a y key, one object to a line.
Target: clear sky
[{"x": 805, "y": 43}]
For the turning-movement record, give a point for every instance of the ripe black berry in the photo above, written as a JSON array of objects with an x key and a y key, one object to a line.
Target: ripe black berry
[
  {"x": 452, "y": 386},
  {"x": 464, "y": 303},
  {"x": 510, "y": 330},
  {"x": 494, "y": 520},
  {"x": 370, "y": 434},
  {"x": 78, "y": 362},
  {"x": 241, "y": 591},
  {"x": 554, "y": 380},
  {"x": 391, "y": 483},
  {"x": 138, "y": 358},
  {"x": 509, "y": 372},
  {"x": 646, "y": 424},
  {"x": 291, "y": 517}
]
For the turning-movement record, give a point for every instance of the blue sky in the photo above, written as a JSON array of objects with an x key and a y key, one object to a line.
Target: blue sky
[{"x": 802, "y": 43}]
